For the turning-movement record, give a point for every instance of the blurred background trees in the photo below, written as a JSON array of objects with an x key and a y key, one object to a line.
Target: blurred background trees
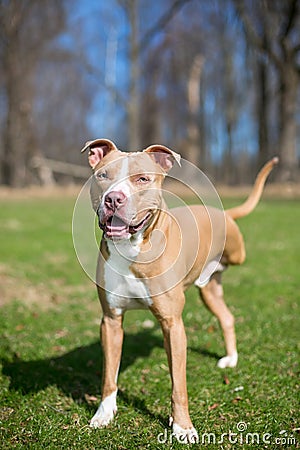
[{"x": 216, "y": 80}]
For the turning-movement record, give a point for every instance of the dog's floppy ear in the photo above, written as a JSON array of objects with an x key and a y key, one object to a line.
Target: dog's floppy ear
[
  {"x": 98, "y": 148},
  {"x": 163, "y": 156}
]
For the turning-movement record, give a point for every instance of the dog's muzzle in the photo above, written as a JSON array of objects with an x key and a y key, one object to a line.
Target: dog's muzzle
[{"x": 115, "y": 227}]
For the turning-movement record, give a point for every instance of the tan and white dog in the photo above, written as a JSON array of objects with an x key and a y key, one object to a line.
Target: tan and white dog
[{"x": 149, "y": 255}]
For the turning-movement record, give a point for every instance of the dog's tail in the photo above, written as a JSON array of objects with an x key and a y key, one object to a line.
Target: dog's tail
[{"x": 247, "y": 207}]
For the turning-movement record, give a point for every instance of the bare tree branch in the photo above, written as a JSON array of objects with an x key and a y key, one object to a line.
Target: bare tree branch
[
  {"x": 261, "y": 43},
  {"x": 292, "y": 11},
  {"x": 161, "y": 23},
  {"x": 97, "y": 74}
]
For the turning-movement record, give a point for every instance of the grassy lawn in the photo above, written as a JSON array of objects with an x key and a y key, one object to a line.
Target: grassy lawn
[{"x": 51, "y": 358}]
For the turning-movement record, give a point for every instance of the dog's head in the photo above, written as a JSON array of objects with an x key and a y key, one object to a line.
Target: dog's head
[{"x": 126, "y": 187}]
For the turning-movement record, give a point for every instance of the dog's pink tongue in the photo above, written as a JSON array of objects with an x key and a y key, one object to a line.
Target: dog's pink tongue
[{"x": 117, "y": 228}]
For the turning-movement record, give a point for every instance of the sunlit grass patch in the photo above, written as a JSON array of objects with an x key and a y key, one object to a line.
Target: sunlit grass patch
[{"x": 51, "y": 356}]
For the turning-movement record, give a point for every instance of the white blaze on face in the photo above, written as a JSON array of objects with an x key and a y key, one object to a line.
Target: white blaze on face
[{"x": 121, "y": 184}]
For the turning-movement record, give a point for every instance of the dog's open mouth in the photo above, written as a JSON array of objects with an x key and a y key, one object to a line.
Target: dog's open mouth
[{"x": 116, "y": 228}]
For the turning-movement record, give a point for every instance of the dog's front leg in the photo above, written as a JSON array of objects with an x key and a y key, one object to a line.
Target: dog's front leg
[
  {"x": 175, "y": 344},
  {"x": 112, "y": 340}
]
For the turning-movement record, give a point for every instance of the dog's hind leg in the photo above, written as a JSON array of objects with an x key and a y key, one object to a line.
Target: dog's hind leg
[{"x": 213, "y": 298}]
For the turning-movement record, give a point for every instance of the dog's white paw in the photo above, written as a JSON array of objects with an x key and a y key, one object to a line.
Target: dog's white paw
[
  {"x": 106, "y": 412},
  {"x": 228, "y": 361},
  {"x": 184, "y": 436}
]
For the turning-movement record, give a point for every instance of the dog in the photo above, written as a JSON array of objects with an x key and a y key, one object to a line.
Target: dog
[{"x": 149, "y": 255}]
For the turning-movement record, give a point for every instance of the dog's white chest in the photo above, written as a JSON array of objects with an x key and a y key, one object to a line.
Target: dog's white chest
[{"x": 123, "y": 290}]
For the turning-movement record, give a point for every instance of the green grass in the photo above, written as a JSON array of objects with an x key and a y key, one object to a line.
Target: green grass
[{"x": 51, "y": 356}]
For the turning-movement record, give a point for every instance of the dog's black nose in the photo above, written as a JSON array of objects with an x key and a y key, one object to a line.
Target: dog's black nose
[{"x": 114, "y": 200}]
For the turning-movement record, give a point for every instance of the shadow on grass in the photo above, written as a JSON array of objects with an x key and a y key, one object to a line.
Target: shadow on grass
[
  {"x": 78, "y": 372},
  {"x": 206, "y": 353}
]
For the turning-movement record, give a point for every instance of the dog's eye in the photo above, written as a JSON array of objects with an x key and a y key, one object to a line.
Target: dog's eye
[
  {"x": 143, "y": 179},
  {"x": 101, "y": 175}
]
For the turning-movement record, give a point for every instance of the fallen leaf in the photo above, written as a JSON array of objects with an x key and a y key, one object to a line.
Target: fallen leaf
[
  {"x": 60, "y": 334},
  {"x": 236, "y": 399},
  {"x": 214, "y": 406},
  {"x": 90, "y": 398},
  {"x": 58, "y": 348},
  {"x": 226, "y": 379}
]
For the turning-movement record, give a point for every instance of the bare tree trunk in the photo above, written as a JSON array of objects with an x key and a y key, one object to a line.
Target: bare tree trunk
[
  {"x": 137, "y": 47},
  {"x": 149, "y": 102},
  {"x": 262, "y": 112},
  {"x": 205, "y": 161},
  {"x": 195, "y": 152},
  {"x": 230, "y": 117},
  {"x": 282, "y": 50},
  {"x": 13, "y": 166},
  {"x": 18, "y": 56},
  {"x": 228, "y": 158},
  {"x": 288, "y": 170},
  {"x": 134, "y": 101},
  {"x": 19, "y": 136}
]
